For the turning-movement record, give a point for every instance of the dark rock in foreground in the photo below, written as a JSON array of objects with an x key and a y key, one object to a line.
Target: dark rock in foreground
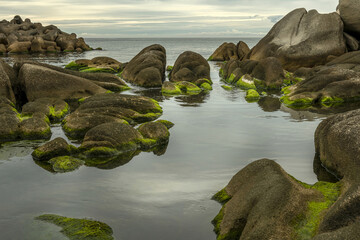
[
  {"x": 147, "y": 68},
  {"x": 18, "y": 36},
  {"x": 263, "y": 202},
  {"x": 302, "y": 39}
]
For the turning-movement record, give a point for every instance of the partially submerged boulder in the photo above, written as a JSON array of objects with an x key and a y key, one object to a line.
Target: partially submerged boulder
[
  {"x": 190, "y": 67},
  {"x": 97, "y": 64},
  {"x": 230, "y": 51},
  {"x": 5, "y": 83},
  {"x": 147, "y": 68},
  {"x": 302, "y": 39},
  {"x": 38, "y": 82},
  {"x": 55, "y": 148},
  {"x": 263, "y": 202},
  {"x": 65, "y": 164},
  {"x": 105, "y": 108}
]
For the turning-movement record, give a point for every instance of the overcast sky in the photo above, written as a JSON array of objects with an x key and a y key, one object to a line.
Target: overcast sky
[{"x": 161, "y": 18}]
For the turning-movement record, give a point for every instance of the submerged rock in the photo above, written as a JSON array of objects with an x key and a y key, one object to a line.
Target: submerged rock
[
  {"x": 65, "y": 164},
  {"x": 302, "y": 39},
  {"x": 79, "y": 229},
  {"x": 147, "y": 68},
  {"x": 55, "y": 148},
  {"x": 190, "y": 67}
]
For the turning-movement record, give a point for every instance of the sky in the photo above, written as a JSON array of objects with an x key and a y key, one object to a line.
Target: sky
[{"x": 160, "y": 18}]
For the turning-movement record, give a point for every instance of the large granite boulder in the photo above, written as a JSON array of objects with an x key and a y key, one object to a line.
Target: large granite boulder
[
  {"x": 242, "y": 50},
  {"x": 302, "y": 39},
  {"x": 349, "y": 13},
  {"x": 105, "y": 108},
  {"x": 38, "y": 82},
  {"x": 18, "y": 36},
  {"x": 147, "y": 68},
  {"x": 263, "y": 202},
  {"x": 190, "y": 67},
  {"x": 336, "y": 144}
]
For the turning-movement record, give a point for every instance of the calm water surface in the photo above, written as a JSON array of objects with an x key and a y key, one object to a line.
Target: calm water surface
[{"x": 158, "y": 197}]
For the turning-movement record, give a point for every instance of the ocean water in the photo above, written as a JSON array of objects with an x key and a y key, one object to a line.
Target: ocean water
[{"x": 158, "y": 197}]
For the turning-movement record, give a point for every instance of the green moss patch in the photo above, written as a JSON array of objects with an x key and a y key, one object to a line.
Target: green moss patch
[
  {"x": 245, "y": 84},
  {"x": 79, "y": 229},
  {"x": 206, "y": 86},
  {"x": 169, "y": 68},
  {"x": 65, "y": 164},
  {"x": 307, "y": 224},
  {"x": 221, "y": 196},
  {"x": 188, "y": 88},
  {"x": 331, "y": 101},
  {"x": 252, "y": 95},
  {"x": 171, "y": 91},
  {"x": 74, "y": 66},
  {"x": 227, "y": 88},
  {"x": 297, "y": 103},
  {"x": 95, "y": 70},
  {"x": 167, "y": 123},
  {"x": 290, "y": 79}
]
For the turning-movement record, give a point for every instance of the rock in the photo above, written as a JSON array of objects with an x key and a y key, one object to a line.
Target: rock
[
  {"x": 328, "y": 87},
  {"x": 170, "y": 88},
  {"x": 351, "y": 42},
  {"x": 75, "y": 228},
  {"x": 105, "y": 108},
  {"x": 110, "y": 139},
  {"x": 295, "y": 40},
  {"x": 19, "y": 47},
  {"x": 242, "y": 50},
  {"x": 156, "y": 131},
  {"x": 98, "y": 64},
  {"x": 39, "y": 82},
  {"x": 225, "y": 52},
  {"x": 37, "y": 45},
  {"x": 3, "y": 39},
  {"x": 270, "y": 73},
  {"x": 105, "y": 80},
  {"x": 9, "y": 130},
  {"x": 263, "y": 202},
  {"x": 336, "y": 140},
  {"x": 35, "y": 127},
  {"x": 190, "y": 67},
  {"x": 5, "y": 84},
  {"x": 348, "y": 10},
  {"x": 65, "y": 164},
  {"x": 252, "y": 95},
  {"x": 2, "y": 49},
  {"x": 147, "y": 68},
  {"x": 55, "y": 148}
]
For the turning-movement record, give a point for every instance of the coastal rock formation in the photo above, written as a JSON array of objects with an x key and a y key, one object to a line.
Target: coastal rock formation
[
  {"x": 51, "y": 149},
  {"x": 263, "y": 202},
  {"x": 105, "y": 108},
  {"x": 336, "y": 141},
  {"x": 349, "y": 13},
  {"x": 332, "y": 84},
  {"x": 190, "y": 67},
  {"x": 230, "y": 51},
  {"x": 264, "y": 74},
  {"x": 147, "y": 68},
  {"x": 97, "y": 64},
  {"x": 302, "y": 39},
  {"x": 38, "y": 82},
  {"x": 18, "y": 36},
  {"x": 5, "y": 83}
]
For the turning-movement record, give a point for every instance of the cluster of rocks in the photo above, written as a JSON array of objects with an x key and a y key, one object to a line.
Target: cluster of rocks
[
  {"x": 18, "y": 36},
  {"x": 321, "y": 49},
  {"x": 321, "y": 53}
]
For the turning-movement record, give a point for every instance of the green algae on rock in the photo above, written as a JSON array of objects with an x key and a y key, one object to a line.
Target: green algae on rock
[
  {"x": 227, "y": 88},
  {"x": 252, "y": 95},
  {"x": 167, "y": 123},
  {"x": 169, "y": 88},
  {"x": 79, "y": 229},
  {"x": 64, "y": 164},
  {"x": 54, "y": 148},
  {"x": 188, "y": 87}
]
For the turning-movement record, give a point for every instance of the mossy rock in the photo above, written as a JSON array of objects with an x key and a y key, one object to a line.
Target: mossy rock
[
  {"x": 79, "y": 229},
  {"x": 206, "y": 87},
  {"x": 65, "y": 164},
  {"x": 246, "y": 82},
  {"x": 252, "y": 95},
  {"x": 74, "y": 66},
  {"x": 188, "y": 87},
  {"x": 54, "y": 148},
  {"x": 167, "y": 123},
  {"x": 227, "y": 88},
  {"x": 298, "y": 102},
  {"x": 97, "y": 70},
  {"x": 169, "y": 68},
  {"x": 169, "y": 88}
]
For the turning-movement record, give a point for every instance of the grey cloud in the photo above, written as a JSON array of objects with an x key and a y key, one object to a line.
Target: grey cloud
[{"x": 276, "y": 18}]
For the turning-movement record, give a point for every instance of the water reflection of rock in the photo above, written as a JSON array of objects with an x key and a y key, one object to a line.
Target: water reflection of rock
[
  {"x": 154, "y": 93},
  {"x": 192, "y": 100},
  {"x": 17, "y": 149},
  {"x": 321, "y": 172},
  {"x": 269, "y": 103}
]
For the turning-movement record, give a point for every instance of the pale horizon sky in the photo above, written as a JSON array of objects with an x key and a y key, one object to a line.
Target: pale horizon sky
[{"x": 161, "y": 18}]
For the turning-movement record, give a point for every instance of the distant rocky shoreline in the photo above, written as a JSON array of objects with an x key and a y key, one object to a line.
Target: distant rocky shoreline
[{"x": 18, "y": 36}]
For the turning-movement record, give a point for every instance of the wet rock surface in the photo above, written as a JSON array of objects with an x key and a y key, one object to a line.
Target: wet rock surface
[{"x": 147, "y": 68}]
